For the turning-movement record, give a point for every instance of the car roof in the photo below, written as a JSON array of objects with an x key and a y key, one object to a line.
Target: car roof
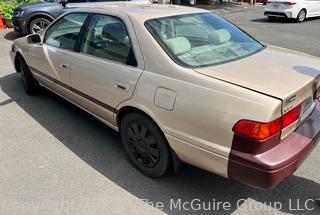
[{"x": 144, "y": 11}]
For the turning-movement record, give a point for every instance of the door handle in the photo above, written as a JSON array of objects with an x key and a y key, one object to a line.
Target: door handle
[
  {"x": 64, "y": 66},
  {"x": 122, "y": 86}
]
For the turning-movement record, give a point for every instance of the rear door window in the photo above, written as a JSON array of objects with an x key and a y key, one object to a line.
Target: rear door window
[{"x": 108, "y": 38}]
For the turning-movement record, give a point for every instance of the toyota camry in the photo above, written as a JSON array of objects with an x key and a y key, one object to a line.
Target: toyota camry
[{"x": 181, "y": 84}]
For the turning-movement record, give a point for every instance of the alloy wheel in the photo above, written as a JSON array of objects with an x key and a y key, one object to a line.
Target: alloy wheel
[
  {"x": 302, "y": 16},
  {"x": 39, "y": 26}
]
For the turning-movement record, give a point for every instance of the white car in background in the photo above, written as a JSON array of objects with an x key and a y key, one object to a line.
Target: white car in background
[{"x": 292, "y": 9}]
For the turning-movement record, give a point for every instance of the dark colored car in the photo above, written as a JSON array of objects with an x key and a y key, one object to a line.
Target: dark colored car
[{"x": 34, "y": 17}]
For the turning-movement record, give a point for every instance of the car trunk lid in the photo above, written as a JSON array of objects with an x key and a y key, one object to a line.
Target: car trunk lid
[{"x": 283, "y": 74}]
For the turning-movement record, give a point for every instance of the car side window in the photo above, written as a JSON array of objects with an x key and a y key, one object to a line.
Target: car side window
[
  {"x": 108, "y": 38},
  {"x": 65, "y": 32}
]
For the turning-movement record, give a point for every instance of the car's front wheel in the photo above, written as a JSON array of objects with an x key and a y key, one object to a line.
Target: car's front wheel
[
  {"x": 31, "y": 85},
  {"x": 145, "y": 144},
  {"x": 38, "y": 24},
  {"x": 302, "y": 15}
]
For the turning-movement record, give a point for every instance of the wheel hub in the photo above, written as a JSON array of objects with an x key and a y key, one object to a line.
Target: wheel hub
[
  {"x": 142, "y": 146},
  {"x": 39, "y": 26},
  {"x": 302, "y": 16}
]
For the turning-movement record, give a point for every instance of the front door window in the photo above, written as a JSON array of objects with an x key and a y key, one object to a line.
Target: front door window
[{"x": 65, "y": 32}]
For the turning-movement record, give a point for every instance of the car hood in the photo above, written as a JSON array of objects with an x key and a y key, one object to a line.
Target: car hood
[
  {"x": 277, "y": 72},
  {"x": 37, "y": 5}
]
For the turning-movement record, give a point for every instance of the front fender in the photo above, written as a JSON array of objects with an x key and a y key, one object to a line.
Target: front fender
[
  {"x": 20, "y": 48},
  {"x": 38, "y": 14}
]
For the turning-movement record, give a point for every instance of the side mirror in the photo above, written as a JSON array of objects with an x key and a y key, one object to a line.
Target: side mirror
[
  {"x": 63, "y": 2},
  {"x": 33, "y": 38}
]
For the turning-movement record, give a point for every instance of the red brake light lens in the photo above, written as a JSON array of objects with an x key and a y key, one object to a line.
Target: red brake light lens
[
  {"x": 262, "y": 131},
  {"x": 292, "y": 116},
  {"x": 289, "y": 3}
]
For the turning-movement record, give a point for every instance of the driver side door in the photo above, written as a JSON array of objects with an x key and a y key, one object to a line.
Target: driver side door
[{"x": 51, "y": 61}]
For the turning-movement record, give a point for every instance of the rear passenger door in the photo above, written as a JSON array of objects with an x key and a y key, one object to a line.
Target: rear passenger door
[{"x": 108, "y": 64}]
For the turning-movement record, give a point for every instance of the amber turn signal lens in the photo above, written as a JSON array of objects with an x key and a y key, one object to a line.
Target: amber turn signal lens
[{"x": 257, "y": 130}]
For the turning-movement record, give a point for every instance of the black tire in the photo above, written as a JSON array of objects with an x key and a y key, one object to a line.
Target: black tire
[
  {"x": 38, "y": 24},
  {"x": 145, "y": 145},
  {"x": 302, "y": 15},
  {"x": 31, "y": 85},
  {"x": 271, "y": 18}
]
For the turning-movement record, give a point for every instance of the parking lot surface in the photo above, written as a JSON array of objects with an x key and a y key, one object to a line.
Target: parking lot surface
[
  {"x": 56, "y": 159},
  {"x": 303, "y": 37}
]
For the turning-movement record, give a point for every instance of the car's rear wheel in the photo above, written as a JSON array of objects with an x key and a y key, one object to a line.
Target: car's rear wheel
[
  {"x": 145, "y": 144},
  {"x": 302, "y": 15},
  {"x": 31, "y": 85},
  {"x": 38, "y": 24}
]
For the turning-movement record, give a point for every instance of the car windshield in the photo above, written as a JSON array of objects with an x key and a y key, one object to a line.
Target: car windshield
[{"x": 202, "y": 39}]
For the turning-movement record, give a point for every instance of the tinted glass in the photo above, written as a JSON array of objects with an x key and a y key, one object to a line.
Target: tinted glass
[
  {"x": 65, "y": 32},
  {"x": 203, "y": 39},
  {"x": 108, "y": 38}
]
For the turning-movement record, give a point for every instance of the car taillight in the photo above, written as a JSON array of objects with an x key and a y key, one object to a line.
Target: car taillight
[
  {"x": 292, "y": 116},
  {"x": 289, "y": 3},
  {"x": 257, "y": 130},
  {"x": 262, "y": 131}
]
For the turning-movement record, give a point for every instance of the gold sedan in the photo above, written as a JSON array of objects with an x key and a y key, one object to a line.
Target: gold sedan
[{"x": 181, "y": 84}]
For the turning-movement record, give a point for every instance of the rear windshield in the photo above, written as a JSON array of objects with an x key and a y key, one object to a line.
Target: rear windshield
[{"x": 203, "y": 39}]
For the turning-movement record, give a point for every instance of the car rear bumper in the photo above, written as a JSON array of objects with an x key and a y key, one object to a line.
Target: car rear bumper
[
  {"x": 20, "y": 25},
  {"x": 267, "y": 169},
  {"x": 278, "y": 14}
]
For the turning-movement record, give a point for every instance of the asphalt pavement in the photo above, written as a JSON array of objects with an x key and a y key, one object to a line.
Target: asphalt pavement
[
  {"x": 57, "y": 159},
  {"x": 303, "y": 37}
]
